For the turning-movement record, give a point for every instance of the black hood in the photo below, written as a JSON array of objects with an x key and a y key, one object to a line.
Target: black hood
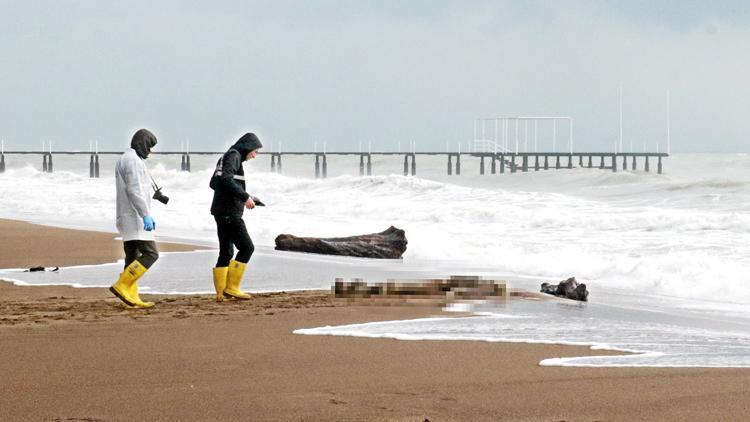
[
  {"x": 142, "y": 142},
  {"x": 247, "y": 143}
]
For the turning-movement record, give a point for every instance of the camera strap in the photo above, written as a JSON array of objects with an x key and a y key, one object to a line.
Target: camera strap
[
  {"x": 220, "y": 164},
  {"x": 154, "y": 186}
]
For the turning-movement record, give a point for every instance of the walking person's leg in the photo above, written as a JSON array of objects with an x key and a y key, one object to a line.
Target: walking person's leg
[
  {"x": 226, "y": 250},
  {"x": 148, "y": 254},
  {"x": 144, "y": 251},
  {"x": 245, "y": 249},
  {"x": 131, "y": 251},
  {"x": 244, "y": 244},
  {"x": 140, "y": 255}
]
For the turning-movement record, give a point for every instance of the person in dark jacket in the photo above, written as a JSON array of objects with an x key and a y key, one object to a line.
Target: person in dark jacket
[{"x": 230, "y": 201}]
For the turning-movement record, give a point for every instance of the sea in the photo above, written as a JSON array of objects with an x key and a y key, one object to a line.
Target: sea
[{"x": 665, "y": 257}]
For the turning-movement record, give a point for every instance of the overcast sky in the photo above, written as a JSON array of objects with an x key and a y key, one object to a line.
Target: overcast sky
[{"x": 385, "y": 72}]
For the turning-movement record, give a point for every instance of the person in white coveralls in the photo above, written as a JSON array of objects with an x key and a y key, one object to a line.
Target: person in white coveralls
[{"x": 134, "y": 220}]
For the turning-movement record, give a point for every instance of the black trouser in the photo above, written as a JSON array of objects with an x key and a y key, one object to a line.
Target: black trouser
[
  {"x": 232, "y": 232},
  {"x": 142, "y": 250}
]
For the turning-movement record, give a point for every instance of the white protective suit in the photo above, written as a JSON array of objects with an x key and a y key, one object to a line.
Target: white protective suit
[{"x": 133, "y": 196}]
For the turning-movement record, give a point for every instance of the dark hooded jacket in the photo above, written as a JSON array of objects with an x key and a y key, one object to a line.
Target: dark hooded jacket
[
  {"x": 228, "y": 180},
  {"x": 142, "y": 142}
]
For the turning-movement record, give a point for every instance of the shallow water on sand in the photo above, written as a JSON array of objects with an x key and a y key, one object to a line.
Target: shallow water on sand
[{"x": 657, "y": 332}]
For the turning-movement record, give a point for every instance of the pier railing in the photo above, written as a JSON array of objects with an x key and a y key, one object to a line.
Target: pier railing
[
  {"x": 487, "y": 145},
  {"x": 498, "y": 162}
]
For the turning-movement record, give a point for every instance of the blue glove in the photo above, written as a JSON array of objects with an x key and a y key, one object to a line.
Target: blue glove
[{"x": 149, "y": 223}]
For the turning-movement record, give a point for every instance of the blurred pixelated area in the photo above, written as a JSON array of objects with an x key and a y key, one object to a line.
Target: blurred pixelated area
[{"x": 437, "y": 291}]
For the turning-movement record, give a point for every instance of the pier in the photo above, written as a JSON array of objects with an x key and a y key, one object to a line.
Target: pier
[
  {"x": 508, "y": 144},
  {"x": 489, "y": 162}
]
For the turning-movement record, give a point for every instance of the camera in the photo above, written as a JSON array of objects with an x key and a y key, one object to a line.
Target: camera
[
  {"x": 258, "y": 202},
  {"x": 160, "y": 196}
]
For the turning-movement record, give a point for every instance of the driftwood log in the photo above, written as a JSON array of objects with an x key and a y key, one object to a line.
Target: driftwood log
[
  {"x": 569, "y": 288},
  {"x": 388, "y": 244}
]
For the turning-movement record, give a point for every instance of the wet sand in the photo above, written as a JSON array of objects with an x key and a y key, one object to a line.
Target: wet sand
[
  {"x": 25, "y": 245},
  {"x": 78, "y": 354}
]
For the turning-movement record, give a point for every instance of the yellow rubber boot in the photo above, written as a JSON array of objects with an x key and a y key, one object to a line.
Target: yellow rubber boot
[
  {"x": 234, "y": 278},
  {"x": 126, "y": 287},
  {"x": 220, "y": 282}
]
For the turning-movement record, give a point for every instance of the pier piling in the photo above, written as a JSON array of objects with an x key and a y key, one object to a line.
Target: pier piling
[
  {"x": 317, "y": 166},
  {"x": 481, "y": 165},
  {"x": 590, "y": 162},
  {"x": 647, "y": 167},
  {"x": 96, "y": 166},
  {"x": 458, "y": 165},
  {"x": 361, "y": 165},
  {"x": 91, "y": 166},
  {"x": 44, "y": 163},
  {"x": 525, "y": 165},
  {"x": 450, "y": 164},
  {"x": 185, "y": 163},
  {"x": 502, "y": 163},
  {"x": 413, "y": 165},
  {"x": 273, "y": 163},
  {"x": 512, "y": 163},
  {"x": 369, "y": 164},
  {"x": 536, "y": 163},
  {"x": 658, "y": 166},
  {"x": 494, "y": 165},
  {"x": 325, "y": 167},
  {"x": 2, "y": 163},
  {"x": 557, "y": 162},
  {"x": 614, "y": 163},
  {"x": 570, "y": 161},
  {"x": 546, "y": 162}
]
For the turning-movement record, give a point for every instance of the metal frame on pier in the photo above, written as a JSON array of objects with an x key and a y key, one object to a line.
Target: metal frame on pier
[{"x": 505, "y": 139}]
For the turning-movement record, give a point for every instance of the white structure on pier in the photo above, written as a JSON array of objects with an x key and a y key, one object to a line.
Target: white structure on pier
[{"x": 510, "y": 135}]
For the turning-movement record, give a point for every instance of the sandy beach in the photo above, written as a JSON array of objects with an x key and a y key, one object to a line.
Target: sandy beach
[
  {"x": 28, "y": 245},
  {"x": 78, "y": 354}
]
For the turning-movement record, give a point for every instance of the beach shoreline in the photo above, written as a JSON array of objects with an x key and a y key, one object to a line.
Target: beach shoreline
[{"x": 77, "y": 353}]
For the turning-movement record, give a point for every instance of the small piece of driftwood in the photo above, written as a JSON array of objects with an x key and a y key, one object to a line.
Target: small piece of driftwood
[
  {"x": 570, "y": 289},
  {"x": 37, "y": 269},
  {"x": 388, "y": 244}
]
